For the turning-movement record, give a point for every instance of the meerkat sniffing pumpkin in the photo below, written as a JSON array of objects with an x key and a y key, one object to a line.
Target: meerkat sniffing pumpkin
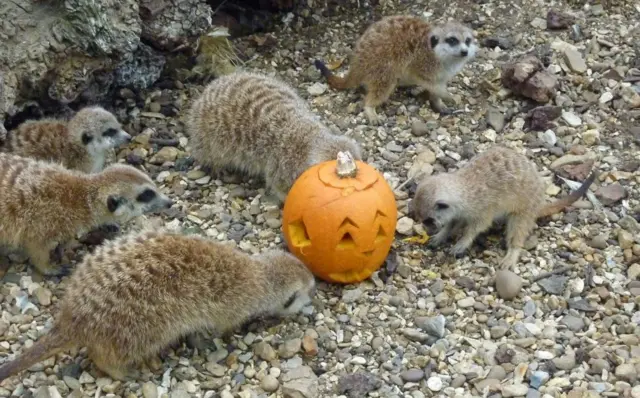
[
  {"x": 43, "y": 204},
  {"x": 405, "y": 50},
  {"x": 82, "y": 143},
  {"x": 259, "y": 125},
  {"x": 136, "y": 295},
  {"x": 499, "y": 182}
]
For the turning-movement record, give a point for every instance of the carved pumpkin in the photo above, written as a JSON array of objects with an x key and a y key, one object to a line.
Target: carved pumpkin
[{"x": 340, "y": 224}]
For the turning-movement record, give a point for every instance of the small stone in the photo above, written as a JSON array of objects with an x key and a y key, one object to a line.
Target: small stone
[
  {"x": 514, "y": 390},
  {"x": 574, "y": 323},
  {"x": 625, "y": 239},
  {"x": 166, "y": 154},
  {"x": 495, "y": 119},
  {"x": 195, "y": 174},
  {"x": 610, "y": 194},
  {"x": 43, "y": 295},
  {"x": 269, "y": 383},
  {"x": 419, "y": 128},
  {"x": 599, "y": 242},
  {"x": 548, "y": 137},
  {"x": 300, "y": 382},
  {"x": 558, "y": 20},
  {"x": 434, "y": 326},
  {"x": 434, "y": 383},
  {"x": 497, "y": 332},
  {"x": 554, "y": 284},
  {"x": 605, "y": 97},
  {"x": 508, "y": 284},
  {"x": 290, "y": 348},
  {"x": 566, "y": 362},
  {"x": 590, "y": 137},
  {"x": 317, "y": 88},
  {"x": 466, "y": 302},
  {"x": 626, "y": 371},
  {"x": 264, "y": 351},
  {"x": 352, "y": 295},
  {"x": 571, "y": 118},
  {"x": 412, "y": 375},
  {"x": 310, "y": 345},
  {"x": 633, "y": 273},
  {"x": 540, "y": 117},
  {"x": 149, "y": 390},
  {"x": 574, "y": 60},
  {"x": 490, "y": 135},
  {"x": 538, "y": 378},
  {"x": 405, "y": 226}
]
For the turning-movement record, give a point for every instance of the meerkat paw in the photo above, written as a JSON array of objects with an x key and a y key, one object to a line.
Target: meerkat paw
[
  {"x": 372, "y": 116},
  {"x": 459, "y": 250}
]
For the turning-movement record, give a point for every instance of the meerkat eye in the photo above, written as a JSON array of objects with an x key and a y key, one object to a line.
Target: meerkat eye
[
  {"x": 468, "y": 41},
  {"x": 110, "y": 132},
  {"x": 291, "y": 300},
  {"x": 452, "y": 41},
  {"x": 441, "y": 206},
  {"x": 434, "y": 41},
  {"x": 146, "y": 196},
  {"x": 86, "y": 138}
]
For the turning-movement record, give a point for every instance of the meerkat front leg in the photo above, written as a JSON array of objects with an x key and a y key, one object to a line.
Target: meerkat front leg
[
  {"x": 470, "y": 233},
  {"x": 437, "y": 93},
  {"x": 519, "y": 227},
  {"x": 439, "y": 237},
  {"x": 39, "y": 256}
]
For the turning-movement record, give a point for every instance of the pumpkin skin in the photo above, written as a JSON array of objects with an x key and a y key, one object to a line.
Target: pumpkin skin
[{"x": 340, "y": 228}]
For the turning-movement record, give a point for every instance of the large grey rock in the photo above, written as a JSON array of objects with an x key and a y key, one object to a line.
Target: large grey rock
[{"x": 166, "y": 26}]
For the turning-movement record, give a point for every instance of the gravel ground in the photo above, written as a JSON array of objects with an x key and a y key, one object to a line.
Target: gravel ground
[{"x": 428, "y": 324}]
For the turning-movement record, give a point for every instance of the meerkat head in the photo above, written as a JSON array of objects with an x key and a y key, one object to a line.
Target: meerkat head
[
  {"x": 128, "y": 193},
  {"x": 97, "y": 129},
  {"x": 328, "y": 147},
  {"x": 437, "y": 202},
  {"x": 453, "y": 43},
  {"x": 291, "y": 283}
]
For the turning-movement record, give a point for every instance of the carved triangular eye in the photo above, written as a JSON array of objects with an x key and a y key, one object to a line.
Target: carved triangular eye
[
  {"x": 379, "y": 214},
  {"x": 346, "y": 242},
  {"x": 299, "y": 235},
  {"x": 381, "y": 235},
  {"x": 347, "y": 221}
]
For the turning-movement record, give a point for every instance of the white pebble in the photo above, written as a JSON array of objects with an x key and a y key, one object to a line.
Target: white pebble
[{"x": 434, "y": 383}]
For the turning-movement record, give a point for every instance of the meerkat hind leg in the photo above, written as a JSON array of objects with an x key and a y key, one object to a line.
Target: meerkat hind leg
[
  {"x": 39, "y": 256},
  {"x": 376, "y": 96},
  {"x": 519, "y": 227},
  {"x": 471, "y": 231},
  {"x": 115, "y": 371}
]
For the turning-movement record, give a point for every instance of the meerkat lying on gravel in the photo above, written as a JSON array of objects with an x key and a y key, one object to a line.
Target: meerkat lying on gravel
[
  {"x": 497, "y": 183},
  {"x": 43, "y": 204},
  {"x": 259, "y": 125},
  {"x": 81, "y": 144},
  {"x": 137, "y": 294},
  {"x": 407, "y": 51}
]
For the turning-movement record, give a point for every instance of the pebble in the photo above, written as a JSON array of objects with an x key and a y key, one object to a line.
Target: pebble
[
  {"x": 434, "y": 383},
  {"x": 508, "y": 284},
  {"x": 412, "y": 375},
  {"x": 404, "y": 226},
  {"x": 269, "y": 383},
  {"x": 290, "y": 348},
  {"x": 149, "y": 390},
  {"x": 466, "y": 302},
  {"x": 514, "y": 390},
  {"x": 574, "y": 60},
  {"x": 419, "y": 128},
  {"x": 571, "y": 118}
]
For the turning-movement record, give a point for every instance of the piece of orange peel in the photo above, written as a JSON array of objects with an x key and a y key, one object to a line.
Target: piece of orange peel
[{"x": 418, "y": 239}]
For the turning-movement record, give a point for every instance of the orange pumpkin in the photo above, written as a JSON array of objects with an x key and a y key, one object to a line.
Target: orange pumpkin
[{"x": 340, "y": 225}]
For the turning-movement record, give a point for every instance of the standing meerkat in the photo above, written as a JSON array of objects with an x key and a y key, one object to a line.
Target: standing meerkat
[
  {"x": 407, "y": 51},
  {"x": 497, "y": 183},
  {"x": 137, "y": 294},
  {"x": 43, "y": 204},
  {"x": 82, "y": 143},
  {"x": 259, "y": 125}
]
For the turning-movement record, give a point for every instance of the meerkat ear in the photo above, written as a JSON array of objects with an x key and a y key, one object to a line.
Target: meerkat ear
[
  {"x": 86, "y": 138},
  {"x": 113, "y": 202},
  {"x": 440, "y": 205},
  {"x": 434, "y": 41}
]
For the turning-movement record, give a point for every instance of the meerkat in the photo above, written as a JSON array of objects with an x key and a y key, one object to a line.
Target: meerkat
[
  {"x": 143, "y": 291},
  {"x": 43, "y": 204},
  {"x": 405, "y": 50},
  {"x": 83, "y": 143},
  {"x": 498, "y": 183},
  {"x": 259, "y": 125}
]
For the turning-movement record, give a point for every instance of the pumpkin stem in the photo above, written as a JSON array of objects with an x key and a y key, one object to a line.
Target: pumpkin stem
[{"x": 346, "y": 166}]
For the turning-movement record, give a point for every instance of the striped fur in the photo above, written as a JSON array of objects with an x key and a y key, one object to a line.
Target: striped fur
[
  {"x": 83, "y": 143},
  {"x": 137, "y": 294},
  {"x": 259, "y": 125},
  {"x": 43, "y": 204}
]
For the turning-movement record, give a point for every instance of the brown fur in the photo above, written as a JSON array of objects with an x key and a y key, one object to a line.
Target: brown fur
[
  {"x": 137, "y": 294},
  {"x": 43, "y": 204},
  {"x": 497, "y": 183},
  {"x": 259, "y": 125},
  {"x": 405, "y": 50},
  {"x": 80, "y": 144}
]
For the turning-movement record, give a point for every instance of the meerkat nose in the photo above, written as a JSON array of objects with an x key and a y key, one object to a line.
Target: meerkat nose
[
  {"x": 168, "y": 203},
  {"x": 127, "y": 136},
  {"x": 464, "y": 53}
]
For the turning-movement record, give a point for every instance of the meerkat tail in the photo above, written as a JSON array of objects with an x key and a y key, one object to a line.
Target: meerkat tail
[
  {"x": 560, "y": 204},
  {"x": 47, "y": 346},
  {"x": 335, "y": 82}
]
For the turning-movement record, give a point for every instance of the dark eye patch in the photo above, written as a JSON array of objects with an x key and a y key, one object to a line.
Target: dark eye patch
[
  {"x": 110, "y": 132},
  {"x": 452, "y": 41},
  {"x": 86, "y": 138},
  {"x": 291, "y": 300},
  {"x": 146, "y": 196},
  {"x": 442, "y": 205},
  {"x": 468, "y": 41}
]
